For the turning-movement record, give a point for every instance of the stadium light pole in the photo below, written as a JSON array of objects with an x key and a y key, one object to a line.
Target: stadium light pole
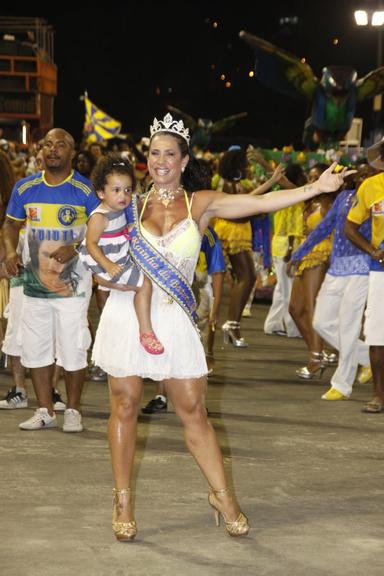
[{"x": 374, "y": 19}]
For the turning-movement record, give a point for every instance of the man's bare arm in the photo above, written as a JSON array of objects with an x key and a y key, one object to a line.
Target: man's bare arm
[{"x": 11, "y": 230}]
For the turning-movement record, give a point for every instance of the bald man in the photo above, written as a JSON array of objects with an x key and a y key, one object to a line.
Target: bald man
[{"x": 53, "y": 205}]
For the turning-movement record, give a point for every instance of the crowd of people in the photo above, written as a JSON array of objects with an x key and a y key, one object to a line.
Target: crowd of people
[{"x": 155, "y": 246}]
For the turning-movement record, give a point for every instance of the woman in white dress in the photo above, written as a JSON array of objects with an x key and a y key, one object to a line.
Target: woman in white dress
[{"x": 173, "y": 223}]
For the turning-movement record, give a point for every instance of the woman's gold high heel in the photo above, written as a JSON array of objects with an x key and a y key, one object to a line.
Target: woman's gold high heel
[
  {"x": 315, "y": 368},
  {"x": 229, "y": 335},
  {"x": 124, "y": 531},
  {"x": 238, "y": 527}
]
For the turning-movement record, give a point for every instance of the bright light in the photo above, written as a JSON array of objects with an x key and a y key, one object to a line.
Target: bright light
[
  {"x": 251, "y": 74},
  {"x": 361, "y": 17},
  {"x": 378, "y": 18},
  {"x": 222, "y": 77},
  {"x": 24, "y": 133}
]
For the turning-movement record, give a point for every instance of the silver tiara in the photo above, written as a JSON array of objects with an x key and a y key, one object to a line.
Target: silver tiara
[{"x": 168, "y": 124}]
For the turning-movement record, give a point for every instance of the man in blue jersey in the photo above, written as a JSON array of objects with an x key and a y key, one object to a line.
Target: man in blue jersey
[{"x": 54, "y": 206}]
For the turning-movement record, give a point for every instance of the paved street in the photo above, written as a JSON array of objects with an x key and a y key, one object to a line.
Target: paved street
[{"x": 308, "y": 473}]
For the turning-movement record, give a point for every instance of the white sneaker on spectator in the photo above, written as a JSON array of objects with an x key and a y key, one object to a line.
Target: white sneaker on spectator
[
  {"x": 72, "y": 421},
  {"x": 41, "y": 419},
  {"x": 13, "y": 399}
]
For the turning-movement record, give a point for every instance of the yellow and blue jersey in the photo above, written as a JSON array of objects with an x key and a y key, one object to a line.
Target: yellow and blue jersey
[
  {"x": 54, "y": 216},
  {"x": 211, "y": 257},
  {"x": 370, "y": 202}
]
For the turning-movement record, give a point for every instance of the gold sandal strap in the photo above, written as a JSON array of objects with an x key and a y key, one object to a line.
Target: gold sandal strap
[
  {"x": 220, "y": 491},
  {"x": 239, "y": 526},
  {"x": 124, "y": 525},
  {"x": 122, "y": 490}
]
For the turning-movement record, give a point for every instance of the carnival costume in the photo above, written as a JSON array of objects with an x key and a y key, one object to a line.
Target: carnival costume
[
  {"x": 321, "y": 252},
  {"x": 235, "y": 235}
]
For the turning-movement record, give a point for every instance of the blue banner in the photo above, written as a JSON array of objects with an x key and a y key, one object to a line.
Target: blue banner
[{"x": 158, "y": 268}]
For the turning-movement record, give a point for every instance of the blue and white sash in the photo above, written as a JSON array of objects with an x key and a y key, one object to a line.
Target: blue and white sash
[{"x": 158, "y": 268}]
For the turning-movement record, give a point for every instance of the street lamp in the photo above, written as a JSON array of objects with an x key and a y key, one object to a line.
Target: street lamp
[{"x": 376, "y": 19}]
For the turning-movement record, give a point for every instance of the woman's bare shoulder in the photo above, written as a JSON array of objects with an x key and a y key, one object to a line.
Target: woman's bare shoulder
[
  {"x": 205, "y": 195},
  {"x": 202, "y": 200}
]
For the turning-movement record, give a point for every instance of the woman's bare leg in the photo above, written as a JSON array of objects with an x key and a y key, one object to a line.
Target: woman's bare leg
[
  {"x": 188, "y": 399},
  {"x": 312, "y": 281},
  {"x": 125, "y": 396},
  {"x": 243, "y": 266},
  {"x": 376, "y": 355},
  {"x": 297, "y": 309}
]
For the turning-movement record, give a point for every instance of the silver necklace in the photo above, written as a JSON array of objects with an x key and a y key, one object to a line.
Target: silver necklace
[{"x": 166, "y": 195}]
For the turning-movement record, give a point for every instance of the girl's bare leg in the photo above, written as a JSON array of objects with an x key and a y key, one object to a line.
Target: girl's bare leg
[{"x": 142, "y": 303}]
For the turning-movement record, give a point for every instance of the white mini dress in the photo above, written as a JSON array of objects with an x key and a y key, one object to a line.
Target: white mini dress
[{"x": 117, "y": 349}]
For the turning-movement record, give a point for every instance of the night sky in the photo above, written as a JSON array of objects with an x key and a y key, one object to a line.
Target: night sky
[{"x": 102, "y": 52}]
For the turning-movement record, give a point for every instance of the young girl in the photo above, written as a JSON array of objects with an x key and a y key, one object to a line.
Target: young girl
[{"x": 105, "y": 250}]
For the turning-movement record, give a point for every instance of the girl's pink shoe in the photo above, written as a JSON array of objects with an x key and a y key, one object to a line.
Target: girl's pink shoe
[{"x": 150, "y": 343}]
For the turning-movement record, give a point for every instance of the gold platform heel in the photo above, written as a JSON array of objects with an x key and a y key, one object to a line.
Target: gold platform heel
[
  {"x": 229, "y": 336},
  {"x": 124, "y": 531},
  {"x": 238, "y": 527}
]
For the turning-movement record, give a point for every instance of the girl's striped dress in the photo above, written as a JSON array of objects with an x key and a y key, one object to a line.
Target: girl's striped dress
[{"x": 114, "y": 242}]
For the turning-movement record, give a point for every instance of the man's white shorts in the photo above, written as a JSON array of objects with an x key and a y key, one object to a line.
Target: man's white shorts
[
  {"x": 13, "y": 312},
  {"x": 55, "y": 329},
  {"x": 374, "y": 313}
]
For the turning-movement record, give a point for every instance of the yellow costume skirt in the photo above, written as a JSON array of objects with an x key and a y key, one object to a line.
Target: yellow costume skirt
[
  {"x": 319, "y": 255},
  {"x": 235, "y": 237}
]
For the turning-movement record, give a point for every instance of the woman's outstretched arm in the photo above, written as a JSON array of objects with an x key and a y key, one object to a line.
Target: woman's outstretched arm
[{"x": 241, "y": 205}]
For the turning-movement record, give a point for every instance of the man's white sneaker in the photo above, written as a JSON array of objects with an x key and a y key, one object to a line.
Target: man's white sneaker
[
  {"x": 41, "y": 419},
  {"x": 72, "y": 421},
  {"x": 13, "y": 400}
]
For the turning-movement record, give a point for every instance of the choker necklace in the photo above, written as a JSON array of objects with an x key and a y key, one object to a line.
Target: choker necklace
[{"x": 166, "y": 195}]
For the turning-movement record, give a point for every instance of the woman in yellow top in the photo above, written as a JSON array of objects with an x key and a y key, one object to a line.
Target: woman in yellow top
[
  {"x": 308, "y": 278},
  {"x": 236, "y": 239}
]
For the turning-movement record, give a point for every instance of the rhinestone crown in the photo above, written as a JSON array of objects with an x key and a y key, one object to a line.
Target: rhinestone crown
[{"x": 168, "y": 124}]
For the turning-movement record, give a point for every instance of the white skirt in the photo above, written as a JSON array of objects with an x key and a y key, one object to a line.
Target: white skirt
[{"x": 117, "y": 349}]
